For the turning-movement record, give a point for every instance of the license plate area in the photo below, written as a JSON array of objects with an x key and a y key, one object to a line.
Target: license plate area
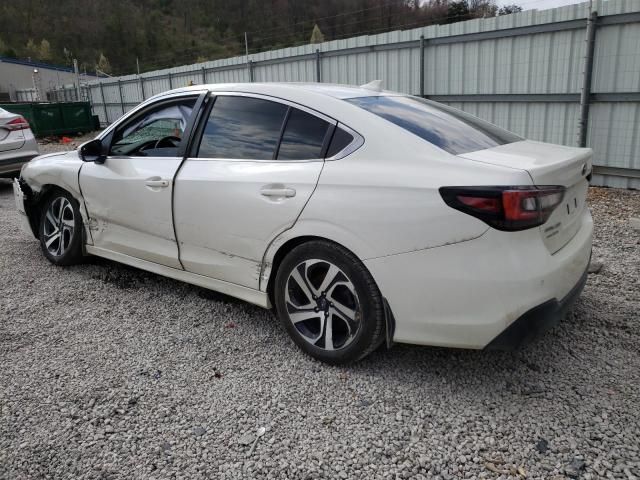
[{"x": 564, "y": 222}]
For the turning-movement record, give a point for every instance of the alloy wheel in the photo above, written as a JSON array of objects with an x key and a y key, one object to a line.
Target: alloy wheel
[
  {"x": 59, "y": 224},
  {"x": 322, "y": 304}
]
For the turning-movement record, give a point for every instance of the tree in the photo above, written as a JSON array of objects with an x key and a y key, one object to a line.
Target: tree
[
  {"x": 507, "y": 9},
  {"x": 150, "y": 29},
  {"x": 316, "y": 36},
  {"x": 31, "y": 49},
  {"x": 457, "y": 11},
  {"x": 68, "y": 56},
  {"x": 483, "y": 8},
  {"x": 103, "y": 64},
  {"x": 44, "y": 52}
]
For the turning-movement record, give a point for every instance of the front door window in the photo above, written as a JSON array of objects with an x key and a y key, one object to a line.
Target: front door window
[{"x": 157, "y": 133}]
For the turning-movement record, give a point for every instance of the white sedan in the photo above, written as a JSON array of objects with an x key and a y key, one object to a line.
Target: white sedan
[
  {"x": 17, "y": 143},
  {"x": 363, "y": 216}
]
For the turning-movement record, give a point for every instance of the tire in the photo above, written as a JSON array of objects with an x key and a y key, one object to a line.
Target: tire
[
  {"x": 339, "y": 324},
  {"x": 60, "y": 229}
]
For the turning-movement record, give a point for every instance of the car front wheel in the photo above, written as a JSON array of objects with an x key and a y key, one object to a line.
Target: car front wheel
[
  {"x": 329, "y": 303},
  {"x": 61, "y": 229}
]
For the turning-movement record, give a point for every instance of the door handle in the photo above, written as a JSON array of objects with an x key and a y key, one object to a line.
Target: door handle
[
  {"x": 155, "y": 183},
  {"x": 273, "y": 191}
]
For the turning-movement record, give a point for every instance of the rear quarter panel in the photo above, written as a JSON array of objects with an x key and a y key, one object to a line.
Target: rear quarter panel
[{"x": 384, "y": 199}]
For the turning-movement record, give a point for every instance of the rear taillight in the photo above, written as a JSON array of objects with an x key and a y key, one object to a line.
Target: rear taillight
[
  {"x": 505, "y": 208},
  {"x": 17, "y": 124}
]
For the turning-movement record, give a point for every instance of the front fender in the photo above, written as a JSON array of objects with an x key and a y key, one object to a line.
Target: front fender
[{"x": 60, "y": 170}]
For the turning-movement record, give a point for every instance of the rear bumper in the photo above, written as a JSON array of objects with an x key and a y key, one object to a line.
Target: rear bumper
[
  {"x": 465, "y": 295},
  {"x": 538, "y": 320},
  {"x": 14, "y": 164}
]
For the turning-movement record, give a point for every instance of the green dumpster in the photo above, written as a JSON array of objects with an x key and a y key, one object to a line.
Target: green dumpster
[{"x": 54, "y": 118}]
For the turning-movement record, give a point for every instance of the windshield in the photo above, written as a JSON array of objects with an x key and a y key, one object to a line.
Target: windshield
[{"x": 452, "y": 130}]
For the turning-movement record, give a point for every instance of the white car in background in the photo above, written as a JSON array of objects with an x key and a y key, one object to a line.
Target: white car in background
[
  {"x": 17, "y": 143},
  {"x": 363, "y": 216}
]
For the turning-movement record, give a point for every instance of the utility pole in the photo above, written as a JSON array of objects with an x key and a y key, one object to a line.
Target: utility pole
[
  {"x": 138, "y": 65},
  {"x": 246, "y": 52},
  {"x": 77, "y": 72}
]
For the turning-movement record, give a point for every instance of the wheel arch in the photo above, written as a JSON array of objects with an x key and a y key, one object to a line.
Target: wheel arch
[
  {"x": 286, "y": 246},
  {"x": 280, "y": 249},
  {"x": 269, "y": 277},
  {"x": 35, "y": 201}
]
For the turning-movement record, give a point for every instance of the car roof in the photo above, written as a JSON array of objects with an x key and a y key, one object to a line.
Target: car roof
[{"x": 283, "y": 88}]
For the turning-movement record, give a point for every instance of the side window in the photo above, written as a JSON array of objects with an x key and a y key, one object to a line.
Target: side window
[
  {"x": 156, "y": 133},
  {"x": 242, "y": 128},
  {"x": 303, "y": 137},
  {"x": 339, "y": 141}
]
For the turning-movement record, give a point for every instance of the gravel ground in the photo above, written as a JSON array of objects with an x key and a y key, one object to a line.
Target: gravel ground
[
  {"x": 113, "y": 373},
  {"x": 54, "y": 144}
]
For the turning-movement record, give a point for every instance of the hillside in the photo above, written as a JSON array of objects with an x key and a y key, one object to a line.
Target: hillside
[{"x": 111, "y": 35}]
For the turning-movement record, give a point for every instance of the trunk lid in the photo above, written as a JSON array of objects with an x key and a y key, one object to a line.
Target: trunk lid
[
  {"x": 9, "y": 139},
  {"x": 549, "y": 164}
]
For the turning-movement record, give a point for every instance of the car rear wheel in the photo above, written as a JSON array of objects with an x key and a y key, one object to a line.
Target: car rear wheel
[
  {"x": 329, "y": 303},
  {"x": 61, "y": 229}
]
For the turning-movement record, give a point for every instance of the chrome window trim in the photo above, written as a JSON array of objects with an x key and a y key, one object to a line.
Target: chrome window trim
[
  {"x": 162, "y": 97},
  {"x": 270, "y": 98},
  {"x": 273, "y": 98},
  {"x": 356, "y": 143}
]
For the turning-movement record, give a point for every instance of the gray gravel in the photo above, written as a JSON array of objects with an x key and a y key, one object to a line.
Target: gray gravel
[{"x": 109, "y": 372}]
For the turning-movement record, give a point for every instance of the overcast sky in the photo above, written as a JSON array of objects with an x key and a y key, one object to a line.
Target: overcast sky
[{"x": 539, "y": 4}]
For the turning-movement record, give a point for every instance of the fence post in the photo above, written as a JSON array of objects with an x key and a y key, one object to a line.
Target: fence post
[
  {"x": 104, "y": 105},
  {"x": 170, "y": 81},
  {"x": 422, "y": 49},
  {"x": 87, "y": 93},
  {"x": 586, "y": 80},
  {"x": 121, "y": 97},
  {"x": 144, "y": 95},
  {"x": 318, "y": 71},
  {"x": 204, "y": 76},
  {"x": 250, "y": 64}
]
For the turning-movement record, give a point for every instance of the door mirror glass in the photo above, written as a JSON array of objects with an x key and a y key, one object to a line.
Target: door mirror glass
[{"x": 92, "y": 152}]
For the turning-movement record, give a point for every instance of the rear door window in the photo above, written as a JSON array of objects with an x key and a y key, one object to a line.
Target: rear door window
[
  {"x": 242, "y": 128},
  {"x": 452, "y": 130},
  {"x": 303, "y": 137}
]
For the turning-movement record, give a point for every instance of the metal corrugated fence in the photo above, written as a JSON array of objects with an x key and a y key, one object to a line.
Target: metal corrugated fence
[{"x": 524, "y": 72}]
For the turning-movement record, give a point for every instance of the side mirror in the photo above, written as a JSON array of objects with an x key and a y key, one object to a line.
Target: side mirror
[{"x": 92, "y": 152}]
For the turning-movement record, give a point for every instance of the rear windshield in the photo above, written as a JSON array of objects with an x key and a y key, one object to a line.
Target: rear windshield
[{"x": 452, "y": 130}]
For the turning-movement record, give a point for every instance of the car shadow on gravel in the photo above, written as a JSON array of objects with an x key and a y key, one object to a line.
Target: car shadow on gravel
[
  {"x": 535, "y": 369},
  {"x": 5, "y": 184},
  {"x": 529, "y": 371},
  {"x": 126, "y": 277}
]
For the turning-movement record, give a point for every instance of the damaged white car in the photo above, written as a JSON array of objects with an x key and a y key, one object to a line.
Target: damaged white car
[{"x": 363, "y": 216}]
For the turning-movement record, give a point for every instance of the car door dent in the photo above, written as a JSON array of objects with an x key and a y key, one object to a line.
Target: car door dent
[
  {"x": 249, "y": 226},
  {"x": 239, "y": 291}
]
